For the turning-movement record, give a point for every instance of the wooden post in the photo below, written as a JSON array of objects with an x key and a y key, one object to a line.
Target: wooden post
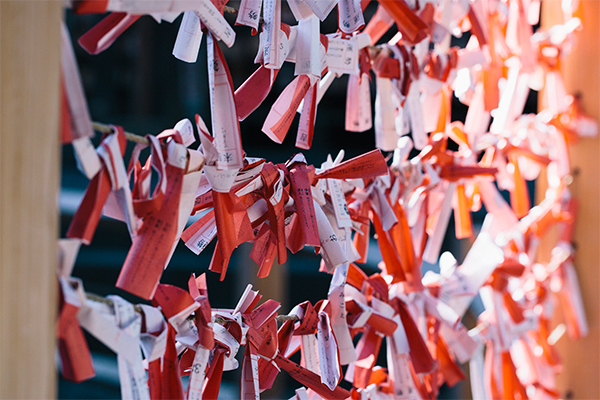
[
  {"x": 580, "y": 378},
  {"x": 29, "y": 180}
]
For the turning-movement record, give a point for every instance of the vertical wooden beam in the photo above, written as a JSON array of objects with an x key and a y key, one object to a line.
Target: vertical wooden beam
[
  {"x": 580, "y": 378},
  {"x": 29, "y": 177}
]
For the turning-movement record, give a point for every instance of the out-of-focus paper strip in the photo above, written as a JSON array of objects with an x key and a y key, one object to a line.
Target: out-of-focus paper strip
[
  {"x": 104, "y": 329},
  {"x": 132, "y": 377},
  {"x": 151, "y": 7},
  {"x": 321, "y": 8},
  {"x": 76, "y": 360},
  {"x": 434, "y": 244},
  {"x": 412, "y": 27},
  {"x": 413, "y": 104},
  {"x": 386, "y": 137},
  {"x": 358, "y": 104},
  {"x": 214, "y": 21},
  {"x": 350, "y": 15},
  {"x": 474, "y": 272},
  {"x": 119, "y": 204},
  {"x": 378, "y": 25},
  {"x": 104, "y": 34},
  {"x": 249, "y": 13},
  {"x": 368, "y": 165},
  {"x": 88, "y": 214},
  {"x": 89, "y": 6},
  {"x": 250, "y": 95},
  {"x": 504, "y": 217},
  {"x": 80, "y": 115},
  {"x": 189, "y": 37},
  {"x": 299, "y": 9}
]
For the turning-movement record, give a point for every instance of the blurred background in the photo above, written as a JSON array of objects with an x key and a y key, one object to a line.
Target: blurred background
[{"x": 139, "y": 85}]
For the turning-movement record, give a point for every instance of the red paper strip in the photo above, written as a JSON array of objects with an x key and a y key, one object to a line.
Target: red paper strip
[
  {"x": 263, "y": 313},
  {"x": 308, "y": 324},
  {"x": 276, "y": 197},
  {"x": 88, "y": 214},
  {"x": 368, "y": 345},
  {"x": 388, "y": 253},
  {"x": 86, "y": 218},
  {"x": 172, "y": 299},
  {"x": 450, "y": 370},
  {"x": 171, "y": 380},
  {"x": 282, "y": 112},
  {"x": 251, "y": 94},
  {"x": 310, "y": 379},
  {"x": 155, "y": 379},
  {"x": 205, "y": 226},
  {"x": 89, "y": 6},
  {"x": 104, "y": 34},
  {"x": 302, "y": 195},
  {"x": 249, "y": 386},
  {"x": 419, "y": 353},
  {"x": 233, "y": 229},
  {"x": 378, "y": 25},
  {"x": 212, "y": 384},
  {"x": 368, "y": 165},
  {"x": 75, "y": 358},
  {"x": 151, "y": 249},
  {"x": 412, "y": 27},
  {"x": 264, "y": 250}
]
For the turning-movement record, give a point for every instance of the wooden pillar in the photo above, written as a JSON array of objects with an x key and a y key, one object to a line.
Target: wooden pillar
[
  {"x": 580, "y": 378},
  {"x": 29, "y": 180}
]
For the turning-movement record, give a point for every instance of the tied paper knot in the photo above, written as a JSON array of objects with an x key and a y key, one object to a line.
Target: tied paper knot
[
  {"x": 146, "y": 258},
  {"x": 88, "y": 214}
]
